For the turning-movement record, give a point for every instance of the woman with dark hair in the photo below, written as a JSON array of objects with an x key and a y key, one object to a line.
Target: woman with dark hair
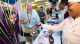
[
  {"x": 5, "y": 29},
  {"x": 14, "y": 18}
]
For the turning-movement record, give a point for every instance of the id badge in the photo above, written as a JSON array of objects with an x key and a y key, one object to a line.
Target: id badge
[{"x": 30, "y": 26}]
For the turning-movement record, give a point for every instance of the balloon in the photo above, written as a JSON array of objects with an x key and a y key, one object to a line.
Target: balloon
[{"x": 9, "y": 1}]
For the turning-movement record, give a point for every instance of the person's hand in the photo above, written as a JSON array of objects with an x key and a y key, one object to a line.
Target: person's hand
[
  {"x": 44, "y": 25},
  {"x": 48, "y": 27},
  {"x": 38, "y": 24},
  {"x": 33, "y": 33},
  {"x": 24, "y": 21}
]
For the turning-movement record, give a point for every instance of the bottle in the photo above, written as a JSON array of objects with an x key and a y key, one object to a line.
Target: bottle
[{"x": 51, "y": 39}]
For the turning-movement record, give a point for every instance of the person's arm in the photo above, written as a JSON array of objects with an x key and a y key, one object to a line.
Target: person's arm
[
  {"x": 23, "y": 18},
  {"x": 54, "y": 28}
]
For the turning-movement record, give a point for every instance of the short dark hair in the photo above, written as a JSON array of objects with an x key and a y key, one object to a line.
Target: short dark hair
[
  {"x": 64, "y": 2},
  {"x": 41, "y": 7}
]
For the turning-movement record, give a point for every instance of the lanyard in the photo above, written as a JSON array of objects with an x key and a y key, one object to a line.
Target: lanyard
[{"x": 29, "y": 17}]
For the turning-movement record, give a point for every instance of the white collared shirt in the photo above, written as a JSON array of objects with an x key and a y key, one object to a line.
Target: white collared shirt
[
  {"x": 61, "y": 14},
  {"x": 70, "y": 28}
]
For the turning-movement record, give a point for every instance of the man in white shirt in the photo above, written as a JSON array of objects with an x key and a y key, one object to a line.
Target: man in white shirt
[
  {"x": 63, "y": 11},
  {"x": 70, "y": 26}
]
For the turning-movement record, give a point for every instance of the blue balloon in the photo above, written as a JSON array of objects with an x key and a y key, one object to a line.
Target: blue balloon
[
  {"x": 9, "y": 1},
  {"x": 53, "y": 1}
]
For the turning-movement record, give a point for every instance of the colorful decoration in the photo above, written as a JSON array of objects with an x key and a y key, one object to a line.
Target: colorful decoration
[
  {"x": 9, "y": 1},
  {"x": 9, "y": 31}
]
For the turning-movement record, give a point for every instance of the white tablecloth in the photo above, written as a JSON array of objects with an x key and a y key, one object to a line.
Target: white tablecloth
[{"x": 45, "y": 40}]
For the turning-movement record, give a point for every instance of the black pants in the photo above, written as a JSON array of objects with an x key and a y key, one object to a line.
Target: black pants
[{"x": 24, "y": 42}]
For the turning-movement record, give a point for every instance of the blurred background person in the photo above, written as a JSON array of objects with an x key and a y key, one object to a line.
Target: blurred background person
[
  {"x": 62, "y": 12},
  {"x": 42, "y": 15},
  {"x": 31, "y": 17},
  {"x": 54, "y": 11},
  {"x": 29, "y": 20}
]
